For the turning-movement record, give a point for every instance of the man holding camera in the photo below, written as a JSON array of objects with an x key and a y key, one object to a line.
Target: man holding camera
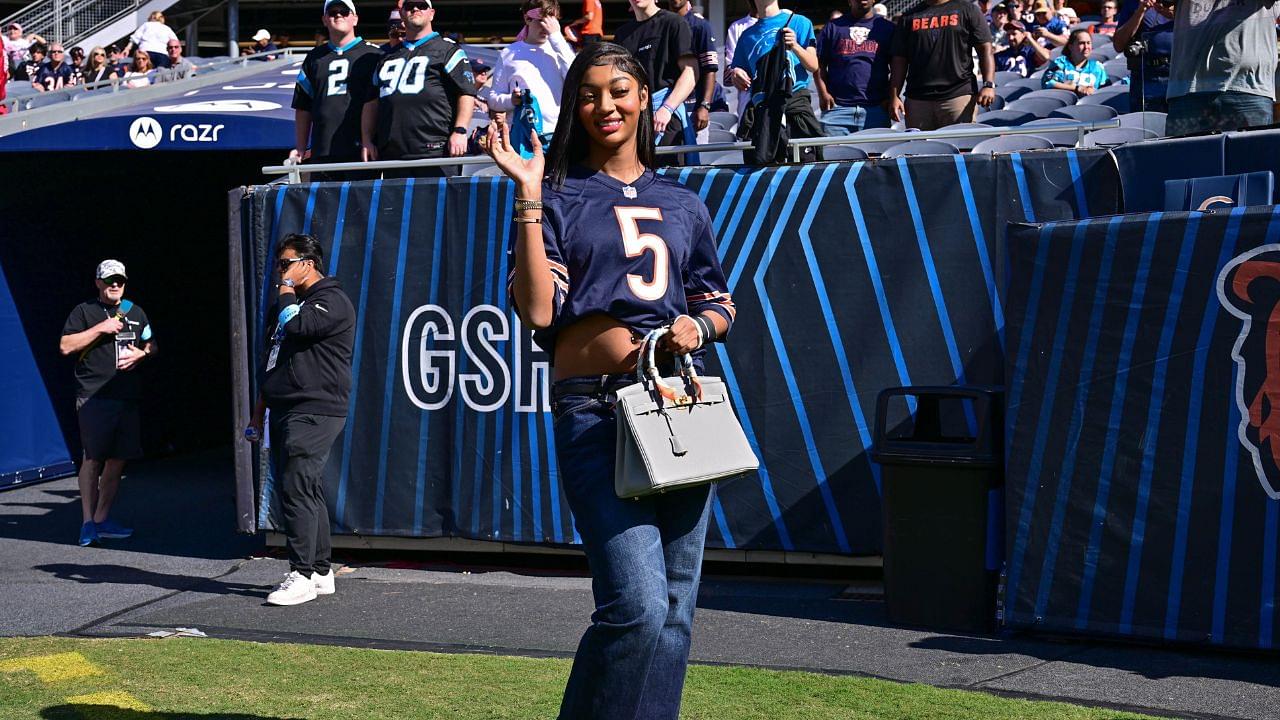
[
  {"x": 306, "y": 384},
  {"x": 1145, "y": 36}
]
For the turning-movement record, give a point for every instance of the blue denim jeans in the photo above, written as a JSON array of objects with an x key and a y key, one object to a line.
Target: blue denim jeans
[
  {"x": 846, "y": 120},
  {"x": 1199, "y": 112},
  {"x": 646, "y": 560}
]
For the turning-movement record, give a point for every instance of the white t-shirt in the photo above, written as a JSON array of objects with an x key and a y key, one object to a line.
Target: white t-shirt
[
  {"x": 152, "y": 36},
  {"x": 136, "y": 79},
  {"x": 538, "y": 68},
  {"x": 16, "y": 50},
  {"x": 730, "y": 42}
]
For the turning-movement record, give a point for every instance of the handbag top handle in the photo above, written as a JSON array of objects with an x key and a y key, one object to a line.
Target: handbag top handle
[{"x": 647, "y": 370}]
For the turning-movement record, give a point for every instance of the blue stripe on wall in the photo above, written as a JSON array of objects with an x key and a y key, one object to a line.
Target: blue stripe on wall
[
  {"x": 1226, "y": 521},
  {"x": 455, "y": 477},
  {"x": 424, "y": 422},
  {"x": 1076, "y": 424},
  {"x": 793, "y": 388},
  {"x": 393, "y": 345},
  {"x": 980, "y": 244},
  {"x": 311, "y": 208},
  {"x": 1118, "y": 394},
  {"x": 1082, "y": 203},
  {"x": 357, "y": 356},
  {"x": 1267, "y": 609},
  {"x": 1024, "y": 194},
  {"x": 339, "y": 224},
  {"x": 1152, "y": 434}
]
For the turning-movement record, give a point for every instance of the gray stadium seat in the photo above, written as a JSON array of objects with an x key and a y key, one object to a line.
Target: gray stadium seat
[
  {"x": 722, "y": 157},
  {"x": 966, "y": 143},
  {"x": 1004, "y": 77},
  {"x": 46, "y": 100},
  {"x": 1111, "y": 137},
  {"x": 18, "y": 88},
  {"x": 469, "y": 170},
  {"x": 486, "y": 171},
  {"x": 1030, "y": 83},
  {"x": 1061, "y": 138},
  {"x": 921, "y": 147},
  {"x": 1012, "y": 143},
  {"x": 1040, "y": 107},
  {"x": 1104, "y": 52},
  {"x": 713, "y": 125},
  {"x": 998, "y": 103},
  {"x": 1011, "y": 92},
  {"x": 1115, "y": 97},
  {"x": 721, "y": 136},
  {"x": 1116, "y": 65},
  {"x": 875, "y": 147},
  {"x": 1006, "y": 117},
  {"x": 843, "y": 152},
  {"x": 1066, "y": 96},
  {"x": 1153, "y": 121},
  {"x": 1085, "y": 113},
  {"x": 727, "y": 119}
]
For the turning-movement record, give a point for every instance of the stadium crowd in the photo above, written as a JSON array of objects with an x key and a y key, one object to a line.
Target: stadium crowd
[{"x": 940, "y": 63}]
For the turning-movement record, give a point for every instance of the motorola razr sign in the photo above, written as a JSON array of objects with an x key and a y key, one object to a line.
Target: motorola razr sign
[{"x": 146, "y": 133}]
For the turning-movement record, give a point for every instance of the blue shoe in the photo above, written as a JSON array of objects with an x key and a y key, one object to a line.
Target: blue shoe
[
  {"x": 88, "y": 534},
  {"x": 112, "y": 531}
]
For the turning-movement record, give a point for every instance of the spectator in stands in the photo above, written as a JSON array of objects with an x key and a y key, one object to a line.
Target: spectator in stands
[
  {"x": 1068, "y": 16},
  {"x": 179, "y": 68},
  {"x": 140, "y": 71},
  {"x": 335, "y": 80},
  {"x": 698, "y": 105},
  {"x": 119, "y": 60},
  {"x": 1046, "y": 27},
  {"x": 395, "y": 32},
  {"x": 663, "y": 44},
  {"x": 731, "y": 36},
  {"x": 483, "y": 75},
  {"x": 110, "y": 337},
  {"x": 262, "y": 44},
  {"x": 28, "y": 70},
  {"x": 96, "y": 68},
  {"x": 425, "y": 95},
  {"x": 538, "y": 64},
  {"x": 151, "y": 37},
  {"x": 795, "y": 31},
  {"x": 933, "y": 51},
  {"x": 76, "y": 54},
  {"x": 1145, "y": 36},
  {"x": 56, "y": 73},
  {"x": 17, "y": 46},
  {"x": 853, "y": 80},
  {"x": 1075, "y": 70},
  {"x": 1024, "y": 54},
  {"x": 589, "y": 28},
  {"x": 1222, "y": 74},
  {"x": 1000, "y": 17},
  {"x": 1107, "y": 25}
]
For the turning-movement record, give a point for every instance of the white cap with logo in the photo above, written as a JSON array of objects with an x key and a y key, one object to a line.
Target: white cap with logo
[
  {"x": 349, "y": 5},
  {"x": 111, "y": 268},
  {"x": 261, "y": 35}
]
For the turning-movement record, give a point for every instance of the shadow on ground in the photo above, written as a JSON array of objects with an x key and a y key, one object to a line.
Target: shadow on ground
[
  {"x": 123, "y": 575},
  {"x": 180, "y": 506},
  {"x": 75, "y": 711}
]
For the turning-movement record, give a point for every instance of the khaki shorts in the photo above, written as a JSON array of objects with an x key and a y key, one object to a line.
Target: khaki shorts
[{"x": 937, "y": 114}]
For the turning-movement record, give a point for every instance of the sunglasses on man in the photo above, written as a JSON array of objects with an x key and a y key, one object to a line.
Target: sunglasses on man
[
  {"x": 283, "y": 263},
  {"x": 410, "y": 7},
  {"x": 114, "y": 280},
  {"x": 338, "y": 12}
]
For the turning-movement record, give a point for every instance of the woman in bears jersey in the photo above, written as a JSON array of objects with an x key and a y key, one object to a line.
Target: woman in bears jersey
[{"x": 605, "y": 251}]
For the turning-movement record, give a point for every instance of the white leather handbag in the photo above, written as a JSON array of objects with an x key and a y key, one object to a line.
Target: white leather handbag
[{"x": 676, "y": 432}]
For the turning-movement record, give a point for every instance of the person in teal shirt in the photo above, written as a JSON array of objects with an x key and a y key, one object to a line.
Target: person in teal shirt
[
  {"x": 796, "y": 31},
  {"x": 1074, "y": 70}
]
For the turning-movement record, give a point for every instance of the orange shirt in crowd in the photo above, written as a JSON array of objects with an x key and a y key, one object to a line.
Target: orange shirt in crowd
[{"x": 594, "y": 26}]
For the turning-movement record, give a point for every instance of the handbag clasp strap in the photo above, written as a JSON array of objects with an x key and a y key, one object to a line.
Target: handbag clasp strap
[{"x": 647, "y": 371}]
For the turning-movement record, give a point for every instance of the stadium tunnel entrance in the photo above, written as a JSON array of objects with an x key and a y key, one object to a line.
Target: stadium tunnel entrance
[{"x": 164, "y": 215}]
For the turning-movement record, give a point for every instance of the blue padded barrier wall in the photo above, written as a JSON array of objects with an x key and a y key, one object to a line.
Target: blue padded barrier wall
[
  {"x": 1144, "y": 427},
  {"x": 31, "y": 446},
  {"x": 849, "y": 278}
]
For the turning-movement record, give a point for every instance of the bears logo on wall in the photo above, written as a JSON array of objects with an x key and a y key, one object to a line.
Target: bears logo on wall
[{"x": 1249, "y": 288}]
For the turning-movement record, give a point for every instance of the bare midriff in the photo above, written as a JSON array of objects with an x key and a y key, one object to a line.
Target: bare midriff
[{"x": 595, "y": 345}]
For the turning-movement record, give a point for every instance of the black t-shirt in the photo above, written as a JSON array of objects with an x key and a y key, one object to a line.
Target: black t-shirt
[
  {"x": 658, "y": 43},
  {"x": 96, "y": 373},
  {"x": 938, "y": 42},
  {"x": 417, "y": 86},
  {"x": 328, "y": 81}
]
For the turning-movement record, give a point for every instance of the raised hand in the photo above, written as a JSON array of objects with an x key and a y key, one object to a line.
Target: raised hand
[{"x": 526, "y": 173}]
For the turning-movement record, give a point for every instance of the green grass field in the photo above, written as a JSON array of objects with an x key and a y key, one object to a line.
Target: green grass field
[{"x": 146, "y": 679}]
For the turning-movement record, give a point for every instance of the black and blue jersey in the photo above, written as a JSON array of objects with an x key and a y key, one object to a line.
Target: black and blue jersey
[
  {"x": 333, "y": 85},
  {"x": 55, "y": 78},
  {"x": 642, "y": 254},
  {"x": 417, "y": 86}
]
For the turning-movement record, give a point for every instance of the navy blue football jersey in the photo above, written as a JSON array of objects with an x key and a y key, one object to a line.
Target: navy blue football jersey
[
  {"x": 333, "y": 85},
  {"x": 643, "y": 258},
  {"x": 417, "y": 86},
  {"x": 703, "y": 43}
]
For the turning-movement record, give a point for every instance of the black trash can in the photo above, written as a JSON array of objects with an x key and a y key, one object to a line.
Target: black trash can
[{"x": 942, "y": 493}]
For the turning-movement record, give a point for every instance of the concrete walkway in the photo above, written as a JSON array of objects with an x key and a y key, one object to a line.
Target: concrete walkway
[{"x": 187, "y": 568}]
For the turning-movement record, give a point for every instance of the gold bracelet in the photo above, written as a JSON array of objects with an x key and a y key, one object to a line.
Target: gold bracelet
[
  {"x": 522, "y": 205},
  {"x": 527, "y": 221}
]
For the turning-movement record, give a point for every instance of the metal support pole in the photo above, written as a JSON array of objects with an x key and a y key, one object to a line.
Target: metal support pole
[
  {"x": 233, "y": 28},
  {"x": 192, "y": 39}
]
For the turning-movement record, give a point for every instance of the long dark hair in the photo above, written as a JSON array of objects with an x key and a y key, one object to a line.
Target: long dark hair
[{"x": 570, "y": 143}]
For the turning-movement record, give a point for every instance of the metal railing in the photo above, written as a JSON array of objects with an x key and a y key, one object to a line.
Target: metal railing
[
  {"x": 69, "y": 21},
  {"x": 23, "y": 103},
  {"x": 295, "y": 171}
]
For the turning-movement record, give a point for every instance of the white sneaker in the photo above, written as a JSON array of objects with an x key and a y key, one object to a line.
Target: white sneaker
[
  {"x": 323, "y": 583},
  {"x": 295, "y": 590}
]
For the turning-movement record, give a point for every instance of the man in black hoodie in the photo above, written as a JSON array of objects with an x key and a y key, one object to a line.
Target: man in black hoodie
[{"x": 306, "y": 383}]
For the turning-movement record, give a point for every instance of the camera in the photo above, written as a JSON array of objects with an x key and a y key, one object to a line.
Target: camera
[{"x": 1136, "y": 49}]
